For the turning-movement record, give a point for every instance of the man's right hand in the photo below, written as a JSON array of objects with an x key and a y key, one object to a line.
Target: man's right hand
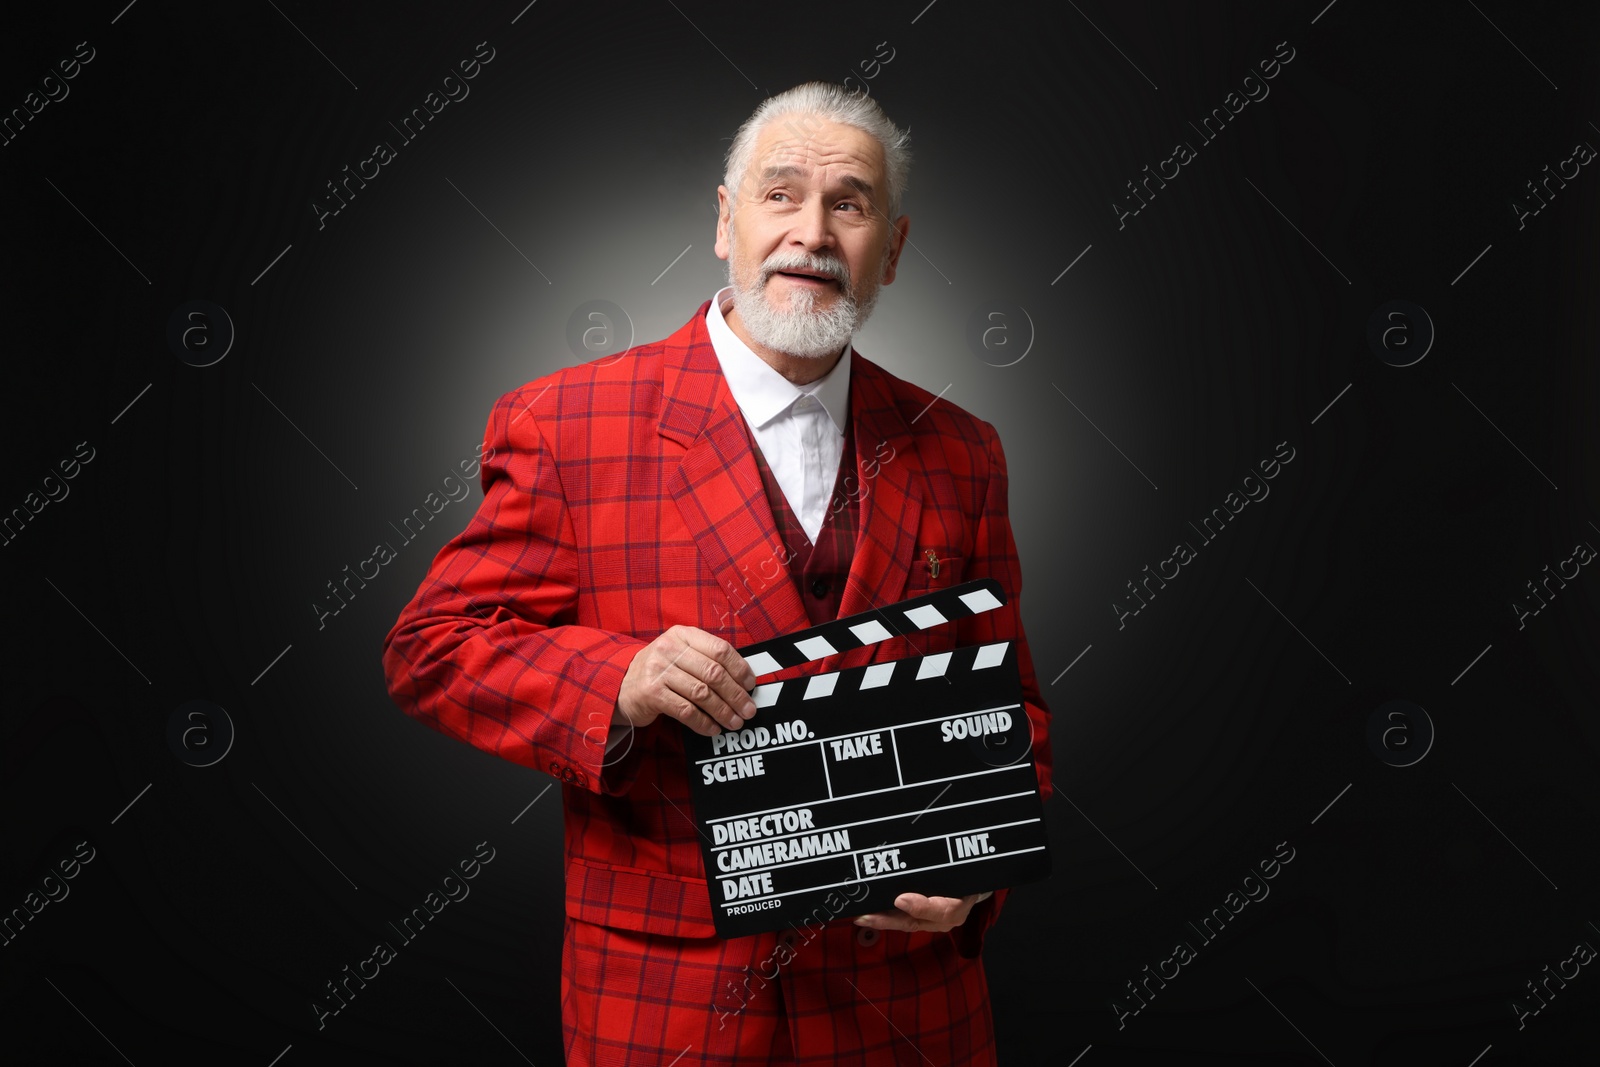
[{"x": 692, "y": 676}]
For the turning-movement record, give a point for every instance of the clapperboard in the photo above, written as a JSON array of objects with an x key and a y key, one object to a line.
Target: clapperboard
[{"x": 915, "y": 775}]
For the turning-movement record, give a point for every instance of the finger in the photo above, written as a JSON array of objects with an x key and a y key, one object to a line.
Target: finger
[
  {"x": 678, "y": 708},
  {"x": 724, "y": 653},
  {"x": 667, "y": 650},
  {"x": 669, "y": 692},
  {"x": 721, "y": 680},
  {"x": 950, "y": 910},
  {"x": 899, "y": 920},
  {"x": 698, "y": 691},
  {"x": 704, "y": 696},
  {"x": 665, "y": 700}
]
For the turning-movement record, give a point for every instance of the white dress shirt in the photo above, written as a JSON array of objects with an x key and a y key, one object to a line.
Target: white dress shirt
[{"x": 799, "y": 428}]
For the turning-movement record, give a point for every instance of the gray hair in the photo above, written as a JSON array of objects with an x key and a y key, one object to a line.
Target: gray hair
[{"x": 835, "y": 104}]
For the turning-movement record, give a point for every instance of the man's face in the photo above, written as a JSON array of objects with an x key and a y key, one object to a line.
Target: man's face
[{"x": 805, "y": 236}]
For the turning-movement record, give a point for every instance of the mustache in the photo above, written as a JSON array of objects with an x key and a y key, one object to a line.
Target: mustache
[{"x": 831, "y": 266}]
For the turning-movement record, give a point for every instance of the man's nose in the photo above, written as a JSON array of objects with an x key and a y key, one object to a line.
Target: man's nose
[{"x": 812, "y": 229}]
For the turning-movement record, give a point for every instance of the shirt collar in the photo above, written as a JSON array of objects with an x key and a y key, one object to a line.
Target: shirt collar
[{"x": 761, "y": 392}]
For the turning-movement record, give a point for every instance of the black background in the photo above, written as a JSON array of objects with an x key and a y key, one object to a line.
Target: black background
[{"x": 1173, "y": 355}]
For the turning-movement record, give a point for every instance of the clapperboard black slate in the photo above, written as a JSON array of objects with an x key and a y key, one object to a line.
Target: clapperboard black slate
[{"x": 847, "y": 789}]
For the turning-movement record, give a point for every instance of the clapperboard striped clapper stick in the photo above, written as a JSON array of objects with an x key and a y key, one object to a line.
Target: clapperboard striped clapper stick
[{"x": 849, "y": 788}]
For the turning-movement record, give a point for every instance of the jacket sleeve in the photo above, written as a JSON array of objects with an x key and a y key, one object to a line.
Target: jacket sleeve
[
  {"x": 995, "y": 556},
  {"x": 488, "y": 651}
]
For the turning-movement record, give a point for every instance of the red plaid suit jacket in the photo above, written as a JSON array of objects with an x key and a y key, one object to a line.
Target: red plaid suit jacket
[{"x": 621, "y": 498}]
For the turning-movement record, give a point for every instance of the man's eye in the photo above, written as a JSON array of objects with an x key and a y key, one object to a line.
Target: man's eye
[
  {"x": 851, "y": 204},
  {"x": 771, "y": 195}
]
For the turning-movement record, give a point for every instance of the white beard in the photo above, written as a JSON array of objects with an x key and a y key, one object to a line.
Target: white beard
[{"x": 801, "y": 330}]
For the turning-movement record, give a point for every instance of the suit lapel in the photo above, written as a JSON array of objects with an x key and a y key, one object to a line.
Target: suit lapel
[
  {"x": 717, "y": 488},
  {"x": 891, "y": 506}
]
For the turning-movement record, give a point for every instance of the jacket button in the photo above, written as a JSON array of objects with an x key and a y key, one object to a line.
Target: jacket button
[
  {"x": 866, "y": 936},
  {"x": 819, "y": 588},
  {"x": 568, "y": 773},
  {"x": 786, "y": 939}
]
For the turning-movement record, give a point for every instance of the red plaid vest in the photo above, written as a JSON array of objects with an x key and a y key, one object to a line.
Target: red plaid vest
[{"x": 819, "y": 571}]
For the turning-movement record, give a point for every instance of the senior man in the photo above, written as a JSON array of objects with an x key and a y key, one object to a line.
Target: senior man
[{"x": 646, "y": 515}]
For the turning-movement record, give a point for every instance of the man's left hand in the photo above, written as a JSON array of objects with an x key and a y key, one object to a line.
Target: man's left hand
[{"x": 915, "y": 912}]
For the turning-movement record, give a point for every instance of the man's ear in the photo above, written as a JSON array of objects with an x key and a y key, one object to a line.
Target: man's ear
[
  {"x": 897, "y": 243},
  {"x": 724, "y": 220}
]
